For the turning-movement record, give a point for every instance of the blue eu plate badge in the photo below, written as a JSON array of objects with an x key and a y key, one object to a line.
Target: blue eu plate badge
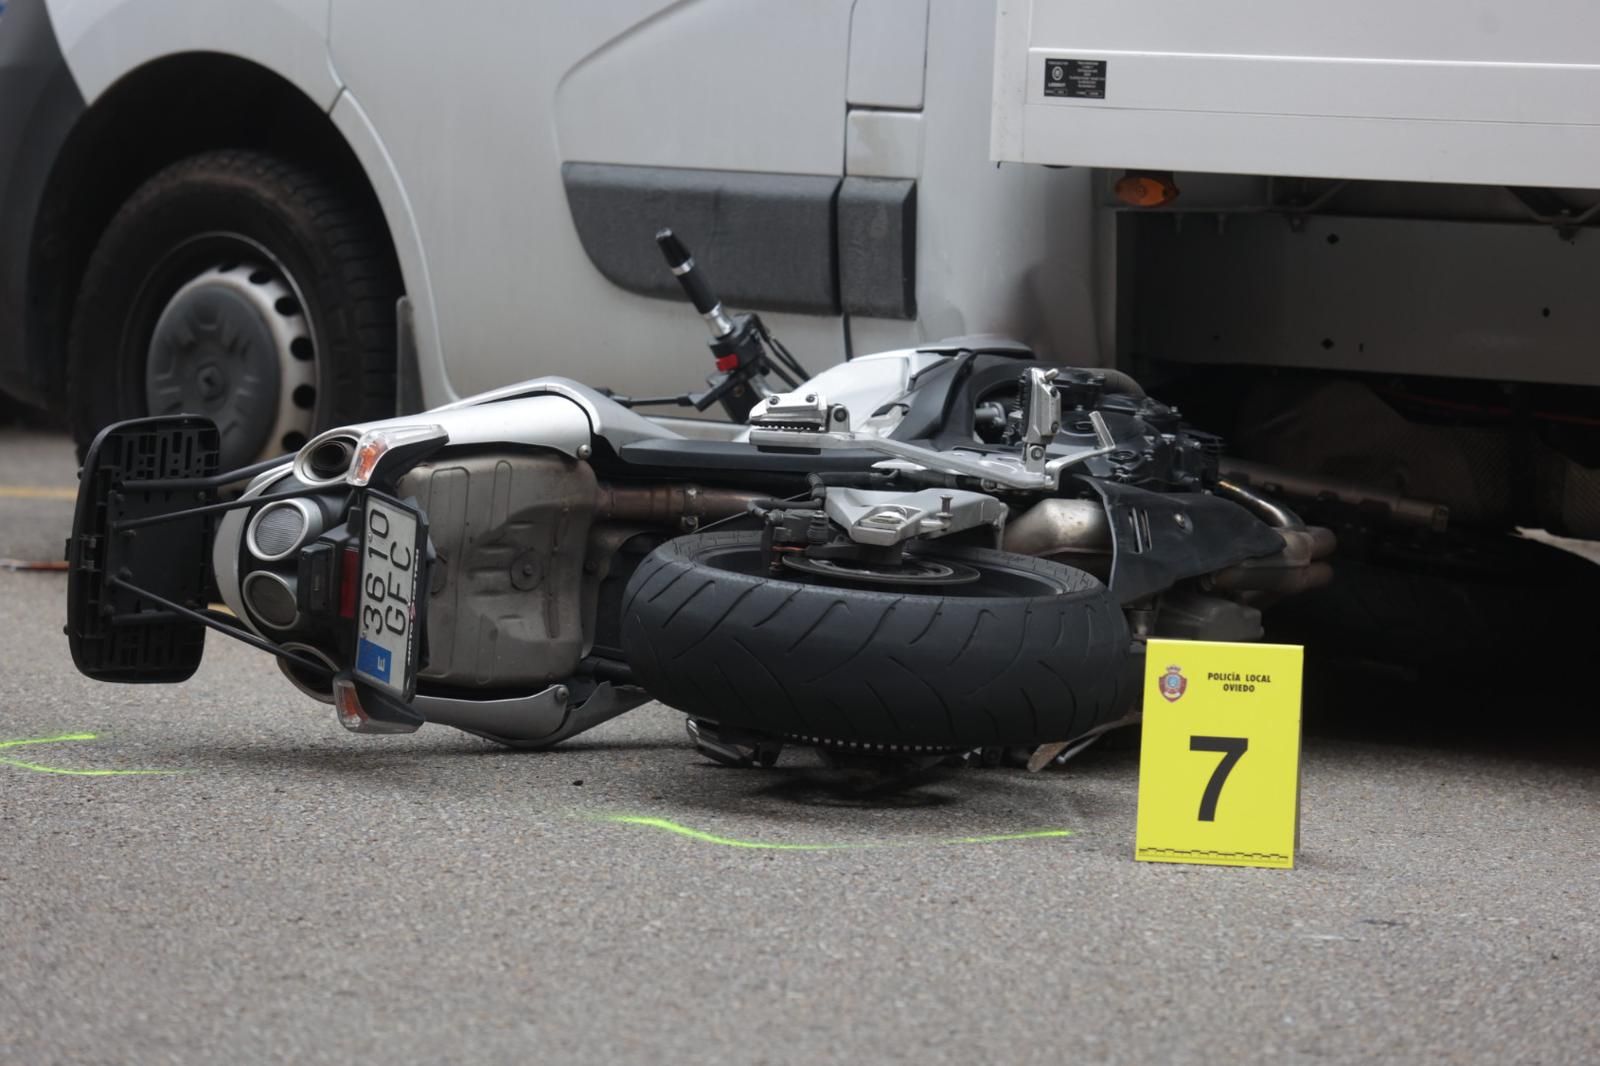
[{"x": 372, "y": 660}]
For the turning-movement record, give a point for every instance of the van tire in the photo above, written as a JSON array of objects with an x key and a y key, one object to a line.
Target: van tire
[{"x": 330, "y": 248}]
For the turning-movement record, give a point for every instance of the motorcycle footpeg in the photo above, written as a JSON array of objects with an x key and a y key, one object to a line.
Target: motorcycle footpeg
[
  {"x": 732, "y": 747},
  {"x": 804, "y": 410}
]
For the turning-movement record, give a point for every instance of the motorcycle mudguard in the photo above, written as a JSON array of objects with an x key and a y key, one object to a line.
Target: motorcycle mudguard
[{"x": 128, "y": 473}]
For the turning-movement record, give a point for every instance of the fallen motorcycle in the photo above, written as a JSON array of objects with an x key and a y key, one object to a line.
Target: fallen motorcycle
[{"x": 921, "y": 551}]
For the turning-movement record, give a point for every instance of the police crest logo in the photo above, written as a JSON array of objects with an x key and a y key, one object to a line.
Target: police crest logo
[{"x": 1173, "y": 684}]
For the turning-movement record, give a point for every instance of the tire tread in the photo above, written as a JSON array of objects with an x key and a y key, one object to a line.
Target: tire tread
[{"x": 876, "y": 667}]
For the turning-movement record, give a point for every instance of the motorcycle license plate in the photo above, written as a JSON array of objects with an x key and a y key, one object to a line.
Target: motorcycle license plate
[{"x": 392, "y": 552}]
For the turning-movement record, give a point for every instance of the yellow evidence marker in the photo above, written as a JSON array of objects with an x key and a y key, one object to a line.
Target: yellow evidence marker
[{"x": 1219, "y": 760}]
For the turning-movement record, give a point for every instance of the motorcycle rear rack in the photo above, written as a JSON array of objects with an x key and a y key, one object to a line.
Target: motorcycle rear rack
[
  {"x": 135, "y": 603},
  {"x": 136, "y": 470},
  {"x": 136, "y": 600}
]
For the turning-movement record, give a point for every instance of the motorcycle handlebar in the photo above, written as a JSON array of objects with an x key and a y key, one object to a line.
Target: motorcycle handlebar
[{"x": 693, "y": 282}]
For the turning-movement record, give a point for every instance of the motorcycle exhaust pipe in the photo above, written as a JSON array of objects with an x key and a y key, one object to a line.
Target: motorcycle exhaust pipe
[
  {"x": 282, "y": 528},
  {"x": 669, "y": 504},
  {"x": 317, "y": 685},
  {"x": 1060, "y": 527},
  {"x": 1401, "y": 509},
  {"x": 271, "y": 599},
  {"x": 326, "y": 460}
]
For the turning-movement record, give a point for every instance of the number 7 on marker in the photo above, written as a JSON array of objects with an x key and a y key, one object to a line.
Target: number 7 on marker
[{"x": 1232, "y": 749}]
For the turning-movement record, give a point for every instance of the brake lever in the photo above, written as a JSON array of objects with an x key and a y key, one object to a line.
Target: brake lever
[{"x": 718, "y": 393}]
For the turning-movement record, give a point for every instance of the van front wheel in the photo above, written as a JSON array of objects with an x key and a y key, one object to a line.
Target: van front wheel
[{"x": 244, "y": 287}]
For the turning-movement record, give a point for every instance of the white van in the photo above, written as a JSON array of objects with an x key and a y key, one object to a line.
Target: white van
[
  {"x": 295, "y": 213},
  {"x": 215, "y": 204}
]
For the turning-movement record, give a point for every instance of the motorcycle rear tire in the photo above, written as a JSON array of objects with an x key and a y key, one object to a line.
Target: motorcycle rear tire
[{"x": 1031, "y": 651}]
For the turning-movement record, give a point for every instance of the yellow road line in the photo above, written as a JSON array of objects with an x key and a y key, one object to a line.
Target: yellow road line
[{"x": 37, "y": 492}]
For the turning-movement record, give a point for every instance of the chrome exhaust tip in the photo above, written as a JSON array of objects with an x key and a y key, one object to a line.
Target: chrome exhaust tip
[
  {"x": 327, "y": 458},
  {"x": 281, "y": 528},
  {"x": 316, "y": 685},
  {"x": 271, "y": 599}
]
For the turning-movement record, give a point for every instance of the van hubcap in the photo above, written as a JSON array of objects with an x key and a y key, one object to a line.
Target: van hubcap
[{"x": 234, "y": 344}]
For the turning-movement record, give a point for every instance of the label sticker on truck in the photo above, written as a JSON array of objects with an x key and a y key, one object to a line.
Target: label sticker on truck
[{"x": 1082, "y": 78}]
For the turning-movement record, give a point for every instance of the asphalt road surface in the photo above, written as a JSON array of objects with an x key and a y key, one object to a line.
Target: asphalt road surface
[{"x": 285, "y": 891}]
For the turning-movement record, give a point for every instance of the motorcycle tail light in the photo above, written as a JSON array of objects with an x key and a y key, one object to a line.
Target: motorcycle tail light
[{"x": 349, "y": 581}]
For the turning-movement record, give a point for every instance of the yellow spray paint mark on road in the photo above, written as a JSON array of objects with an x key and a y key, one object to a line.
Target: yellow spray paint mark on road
[
  {"x": 999, "y": 838},
  {"x": 41, "y": 769},
  {"x": 62, "y": 738},
  {"x": 47, "y": 740},
  {"x": 691, "y": 833},
  {"x": 36, "y": 492},
  {"x": 727, "y": 842}
]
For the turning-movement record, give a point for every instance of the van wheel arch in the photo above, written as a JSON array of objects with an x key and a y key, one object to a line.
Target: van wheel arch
[{"x": 209, "y": 101}]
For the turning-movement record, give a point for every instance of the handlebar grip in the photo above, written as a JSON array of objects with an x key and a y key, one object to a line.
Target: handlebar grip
[{"x": 682, "y": 264}]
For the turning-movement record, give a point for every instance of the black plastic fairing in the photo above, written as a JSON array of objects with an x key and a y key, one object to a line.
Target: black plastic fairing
[{"x": 1159, "y": 539}]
